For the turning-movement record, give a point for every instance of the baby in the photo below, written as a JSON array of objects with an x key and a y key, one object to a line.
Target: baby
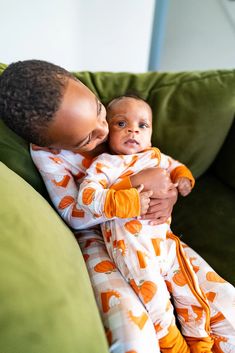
[{"x": 150, "y": 257}]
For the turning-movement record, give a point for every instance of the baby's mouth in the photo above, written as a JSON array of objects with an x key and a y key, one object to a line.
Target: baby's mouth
[{"x": 131, "y": 142}]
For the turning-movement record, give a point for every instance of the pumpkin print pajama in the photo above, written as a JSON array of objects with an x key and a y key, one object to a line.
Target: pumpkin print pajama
[{"x": 153, "y": 264}]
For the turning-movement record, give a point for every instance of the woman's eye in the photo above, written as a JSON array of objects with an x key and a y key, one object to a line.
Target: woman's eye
[
  {"x": 121, "y": 123},
  {"x": 99, "y": 108},
  {"x": 89, "y": 140}
]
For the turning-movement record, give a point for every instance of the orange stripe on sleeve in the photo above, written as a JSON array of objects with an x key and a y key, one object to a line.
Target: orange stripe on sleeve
[
  {"x": 182, "y": 172},
  {"x": 125, "y": 183},
  {"x": 122, "y": 203}
]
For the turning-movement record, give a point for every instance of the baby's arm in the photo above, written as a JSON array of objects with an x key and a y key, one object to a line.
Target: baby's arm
[
  {"x": 96, "y": 196},
  {"x": 180, "y": 175}
]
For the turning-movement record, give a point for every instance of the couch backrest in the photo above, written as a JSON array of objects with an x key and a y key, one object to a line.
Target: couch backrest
[
  {"x": 224, "y": 165},
  {"x": 192, "y": 114}
]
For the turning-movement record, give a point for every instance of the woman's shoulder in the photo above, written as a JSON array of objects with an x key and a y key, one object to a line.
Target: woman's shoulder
[{"x": 45, "y": 158}]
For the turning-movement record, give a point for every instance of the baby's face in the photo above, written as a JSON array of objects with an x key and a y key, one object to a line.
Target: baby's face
[{"x": 130, "y": 126}]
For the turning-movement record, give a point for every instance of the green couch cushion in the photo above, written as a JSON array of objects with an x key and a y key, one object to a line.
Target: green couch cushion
[
  {"x": 14, "y": 152},
  {"x": 192, "y": 113},
  {"x": 47, "y": 304},
  {"x": 206, "y": 221},
  {"x": 224, "y": 165}
]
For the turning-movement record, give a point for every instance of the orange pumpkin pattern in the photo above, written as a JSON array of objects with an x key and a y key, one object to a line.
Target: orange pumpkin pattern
[
  {"x": 88, "y": 195},
  {"x": 179, "y": 278},
  {"x": 66, "y": 196},
  {"x": 147, "y": 289},
  {"x": 105, "y": 267},
  {"x": 65, "y": 202},
  {"x": 133, "y": 227},
  {"x": 212, "y": 276}
]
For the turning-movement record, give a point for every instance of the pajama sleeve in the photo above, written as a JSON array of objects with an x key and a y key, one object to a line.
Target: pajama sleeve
[
  {"x": 96, "y": 196},
  {"x": 62, "y": 183},
  {"x": 175, "y": 169}
]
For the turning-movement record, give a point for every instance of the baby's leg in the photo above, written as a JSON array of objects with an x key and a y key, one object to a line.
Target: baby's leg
[
  {"x": 221, "y": 298},
  {"x": 127, "y": 324},
  {"x": 142, "y": 270},
  {"x": 190, "y": 303}
]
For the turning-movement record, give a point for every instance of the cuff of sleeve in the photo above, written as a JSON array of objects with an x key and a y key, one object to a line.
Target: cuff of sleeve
[
  {"x": 182, "y": 172},
  {"x": 125, "y": 183},
  {"x": 122, "y": 203}
]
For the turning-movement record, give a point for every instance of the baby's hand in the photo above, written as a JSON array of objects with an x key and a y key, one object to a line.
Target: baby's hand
[
  {"x": 184, "y": 186},
  {"x": 144, "y": 199}
]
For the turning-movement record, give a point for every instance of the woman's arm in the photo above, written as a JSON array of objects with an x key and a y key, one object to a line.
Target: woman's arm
[
  {"x": 61, "y": 186},
  {"x": 59, "y": 177},
  {"x": 164, "y": 196}
]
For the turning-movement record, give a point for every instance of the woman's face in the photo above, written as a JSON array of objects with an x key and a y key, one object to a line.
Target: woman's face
[{"x": 80, "y": 123}]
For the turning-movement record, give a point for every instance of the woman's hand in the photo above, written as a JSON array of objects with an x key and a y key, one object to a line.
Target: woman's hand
[{"x": 164, "y": 193}]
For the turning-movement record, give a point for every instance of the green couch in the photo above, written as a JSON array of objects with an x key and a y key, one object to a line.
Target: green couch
[{"x": 47, "y": 303}]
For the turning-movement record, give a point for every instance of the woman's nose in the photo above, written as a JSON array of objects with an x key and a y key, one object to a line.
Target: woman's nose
[{"x": 102, "y": 129}]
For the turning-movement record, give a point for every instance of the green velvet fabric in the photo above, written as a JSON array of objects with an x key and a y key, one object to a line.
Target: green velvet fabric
[
  {"x": 205, "y": 220},
  {"x": 47, "y": 303},
  {"x": 224, "y": 165},
  {"x": 14, "y": 152},
  {"x": 198, "y": 106}
]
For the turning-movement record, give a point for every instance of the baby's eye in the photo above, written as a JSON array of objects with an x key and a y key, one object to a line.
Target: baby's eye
[
  {"x": 143, "y": 126},
  {"x": 121, "y": 123}
]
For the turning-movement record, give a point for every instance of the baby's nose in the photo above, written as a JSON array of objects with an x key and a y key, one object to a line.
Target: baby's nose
[{"x": 135, "y": 130}]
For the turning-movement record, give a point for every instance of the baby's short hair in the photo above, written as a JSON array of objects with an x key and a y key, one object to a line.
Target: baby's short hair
[{"x": 126, "y": 95}]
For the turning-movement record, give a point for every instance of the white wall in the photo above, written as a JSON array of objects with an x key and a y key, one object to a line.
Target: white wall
[
  {"x": 200, "y": 35},
  {"x": 106, "y": 35},
  {"x": 40, "y": 29},
  {"x": 114, "y": 35}
]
